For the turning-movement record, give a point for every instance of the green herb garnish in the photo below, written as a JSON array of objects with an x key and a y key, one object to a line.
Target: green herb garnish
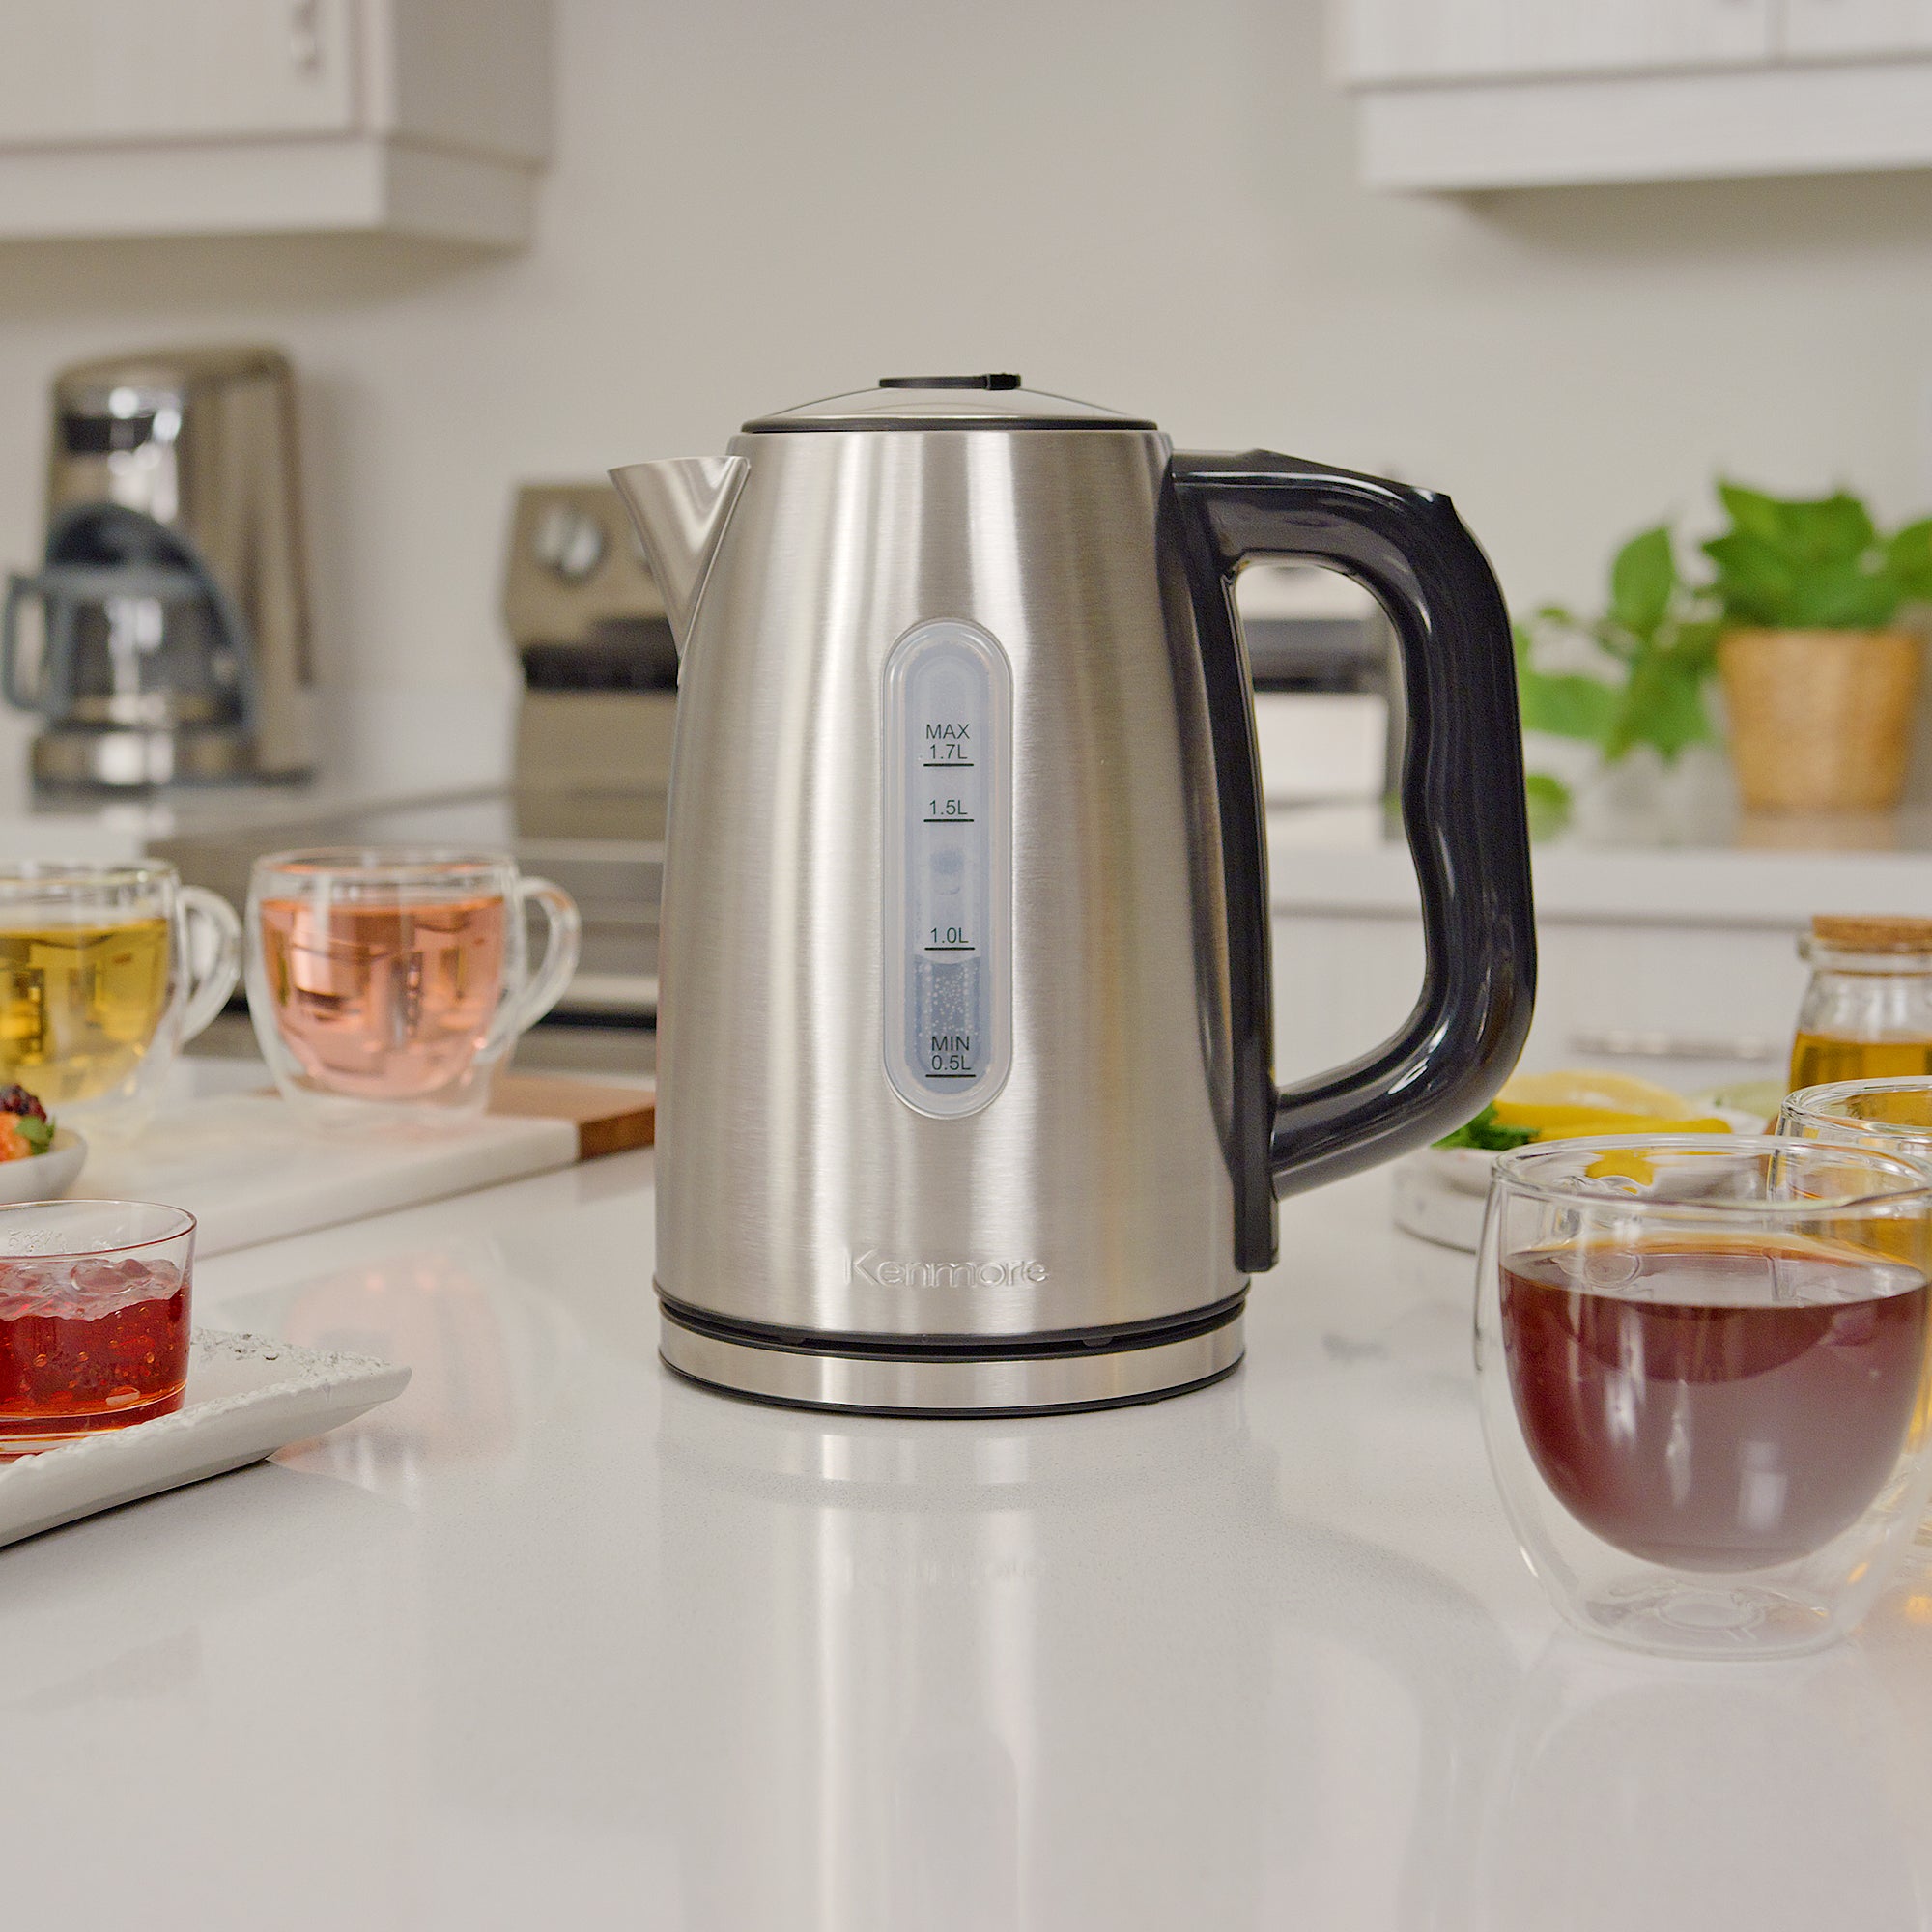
[{"x": 1488, "y": 1133}]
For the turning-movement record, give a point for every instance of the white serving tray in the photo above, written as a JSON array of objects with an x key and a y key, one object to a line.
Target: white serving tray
[{"x": 246, "y": 1398}]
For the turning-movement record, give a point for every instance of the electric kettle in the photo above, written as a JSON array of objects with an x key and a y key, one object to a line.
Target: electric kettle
[{"x": 965, "y": 1089}]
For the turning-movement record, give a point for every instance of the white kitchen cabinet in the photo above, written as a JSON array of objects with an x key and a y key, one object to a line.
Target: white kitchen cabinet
[
  {"x": 1680, "y": 963},
  {"x": 130, "y": 117},
  {"x": 1446, "y": 39},
  {"x": 1480, "y": 94},
  {"x": 1827, "y": 28},
  {"x": 1702, "y": 1006}
]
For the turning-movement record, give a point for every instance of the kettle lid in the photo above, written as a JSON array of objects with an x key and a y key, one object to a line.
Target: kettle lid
[{"x": 947, "y": 402}]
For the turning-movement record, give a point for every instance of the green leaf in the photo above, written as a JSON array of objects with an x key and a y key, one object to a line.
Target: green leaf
[
  {"x": 1643, "y": 580},
  {"x": 1549, "y": 804},
  {"x": 1697, "y": 644},
  {"x": 1756, "y": 581},
  {"x": 1813, "y": 563},
  {"x": 1835, "y": 529},
  {"x": 38, "y": 1134},
  {"x": 1569, "y": 706},
  {"x": 1842, "y": 597},
  {"x": 1752, "y": 513},
  {"x": 1663, "y": 705},
  {"x": 1909, "y": 558}
]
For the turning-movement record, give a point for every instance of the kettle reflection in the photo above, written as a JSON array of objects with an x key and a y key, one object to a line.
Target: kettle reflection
[{"x": 1055, "y": 1672}]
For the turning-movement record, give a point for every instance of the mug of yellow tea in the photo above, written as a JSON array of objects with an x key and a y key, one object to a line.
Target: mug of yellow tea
[
  {"x": 398, "y": 979},
  {"x": 106, "y": 971}
]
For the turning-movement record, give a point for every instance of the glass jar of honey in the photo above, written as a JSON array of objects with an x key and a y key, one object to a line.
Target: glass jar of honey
[{"x": 1867, "y": 1011}]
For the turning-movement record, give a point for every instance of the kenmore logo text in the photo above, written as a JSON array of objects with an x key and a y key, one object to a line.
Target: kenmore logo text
[{"x": 870, "y": 1268}]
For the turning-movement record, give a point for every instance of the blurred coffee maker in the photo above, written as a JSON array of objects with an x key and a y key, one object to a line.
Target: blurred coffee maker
[{"x": 174, "y": 642}]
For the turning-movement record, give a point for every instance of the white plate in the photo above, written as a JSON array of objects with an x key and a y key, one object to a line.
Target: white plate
[
  {"x": 246, "y": 1398},
  {"x": 1467, "y": 1169},
  {"x": 1440, "y": 1193},
  {"x": 44, "y": 1177}
]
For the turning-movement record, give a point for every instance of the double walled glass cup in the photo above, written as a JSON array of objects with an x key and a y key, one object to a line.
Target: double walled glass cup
[
  {"x": 1701, "y": 1362},
  {"x": 398, "y": 979},
  {"x": 106, "y": 972}
]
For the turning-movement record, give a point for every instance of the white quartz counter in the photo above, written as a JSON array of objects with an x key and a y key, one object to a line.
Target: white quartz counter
[{"x": 557, "y": 1639}]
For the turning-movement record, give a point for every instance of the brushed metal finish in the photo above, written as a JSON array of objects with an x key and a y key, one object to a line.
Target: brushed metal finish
[
  {"x": 795, "y": 1189},
  {"x": 681, "y": 508},
  {"x": 820, "y": 1381}
]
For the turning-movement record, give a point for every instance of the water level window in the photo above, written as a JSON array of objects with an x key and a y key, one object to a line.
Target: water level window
[{"x": 949, "y": 867}]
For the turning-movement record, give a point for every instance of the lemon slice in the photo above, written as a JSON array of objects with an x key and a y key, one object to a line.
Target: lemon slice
[
  {"x": 1568, "y": 1124},
  {"x": 1579, "y": 1088},
  {"x": 1624, "y": 1164}
]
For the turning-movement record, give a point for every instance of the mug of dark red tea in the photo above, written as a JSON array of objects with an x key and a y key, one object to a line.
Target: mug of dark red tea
[
  {"x": 1701, "y": 1363},
  {"x": 94, "y": 1318}
]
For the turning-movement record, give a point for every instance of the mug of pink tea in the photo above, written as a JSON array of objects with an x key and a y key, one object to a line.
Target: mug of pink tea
[
  {"x": 398, "y": 979},
  {"x": 1701, "y": 1363}
]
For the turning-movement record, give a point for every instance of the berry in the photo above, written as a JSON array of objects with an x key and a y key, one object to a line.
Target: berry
[{"x": 16, "y": 1100}]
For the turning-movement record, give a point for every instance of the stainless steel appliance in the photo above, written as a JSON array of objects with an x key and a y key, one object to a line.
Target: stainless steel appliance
[
  {"x": 965, "y": 1094},
  {"x": 175, "y": 633},
  {"x": 599, "y": 667}
]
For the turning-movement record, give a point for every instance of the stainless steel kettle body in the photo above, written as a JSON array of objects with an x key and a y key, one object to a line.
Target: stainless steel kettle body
[{"x": 965, "y": 1096}]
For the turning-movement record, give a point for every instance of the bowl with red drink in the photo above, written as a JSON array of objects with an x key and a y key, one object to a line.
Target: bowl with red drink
[
  {"x": 94, "y": 1318},
  {"x": 1702, "y": 1367}
]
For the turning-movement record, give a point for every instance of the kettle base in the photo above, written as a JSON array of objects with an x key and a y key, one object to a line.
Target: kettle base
[{"x": 925, "y": 1382}]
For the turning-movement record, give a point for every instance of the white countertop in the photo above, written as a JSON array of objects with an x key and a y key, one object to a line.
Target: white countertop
[{"x": 557, "y": 1639}]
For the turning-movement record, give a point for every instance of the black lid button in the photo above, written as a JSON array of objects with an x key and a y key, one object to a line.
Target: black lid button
[{"x": 949, "y": 381}]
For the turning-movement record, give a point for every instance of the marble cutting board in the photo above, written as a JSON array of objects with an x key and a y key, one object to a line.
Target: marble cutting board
[{"x": 249, "y": 1169}]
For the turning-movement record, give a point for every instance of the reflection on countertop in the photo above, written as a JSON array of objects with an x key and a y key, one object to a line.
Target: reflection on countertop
[{"x": 555, "y": 1634}]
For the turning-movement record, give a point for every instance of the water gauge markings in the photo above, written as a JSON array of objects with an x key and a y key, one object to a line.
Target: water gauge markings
[{"x": 948, "y": 710}]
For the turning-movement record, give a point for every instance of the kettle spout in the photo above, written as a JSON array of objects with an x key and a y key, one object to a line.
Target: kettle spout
[{"x": 681, "y": 508}]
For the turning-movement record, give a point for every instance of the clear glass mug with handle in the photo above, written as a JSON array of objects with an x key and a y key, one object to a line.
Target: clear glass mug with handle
[
  {"x": 397, "y": 979},
  {"x": 106, "y": 972}
]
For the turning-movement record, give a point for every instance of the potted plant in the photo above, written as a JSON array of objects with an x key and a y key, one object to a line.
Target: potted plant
[
  {"x": 1644, "y": 663},
  {"x": 1821, "y": 680},
  {"x": 1802, "y": 621}
]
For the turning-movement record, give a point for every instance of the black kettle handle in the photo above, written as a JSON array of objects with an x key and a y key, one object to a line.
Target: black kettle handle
[{"x": 1463, "y": 809}]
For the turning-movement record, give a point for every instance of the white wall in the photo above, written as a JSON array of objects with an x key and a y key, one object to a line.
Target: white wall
[{"x": 1145, "y": 204}]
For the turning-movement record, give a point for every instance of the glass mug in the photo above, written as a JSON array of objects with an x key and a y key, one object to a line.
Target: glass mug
[
  {"x": 398, "y": 979},
  {"x": 106, "y": 971},
  {"x": 1700, "y": 1361}
]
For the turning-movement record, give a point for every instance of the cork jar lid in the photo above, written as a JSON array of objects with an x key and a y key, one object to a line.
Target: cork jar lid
[{"x": 1876, "y": 933}]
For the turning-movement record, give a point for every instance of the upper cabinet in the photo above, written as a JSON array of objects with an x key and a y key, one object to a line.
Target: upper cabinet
[
  {"x": 1478, "y": 94},
  {"x": 1392, "y": 41},
  {"x": 130, "y": 117},
  {"x": 1829, "y": 27}
]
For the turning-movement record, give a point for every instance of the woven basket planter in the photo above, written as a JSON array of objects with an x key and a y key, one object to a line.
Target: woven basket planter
[{"x": 1821, "y": 721}]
